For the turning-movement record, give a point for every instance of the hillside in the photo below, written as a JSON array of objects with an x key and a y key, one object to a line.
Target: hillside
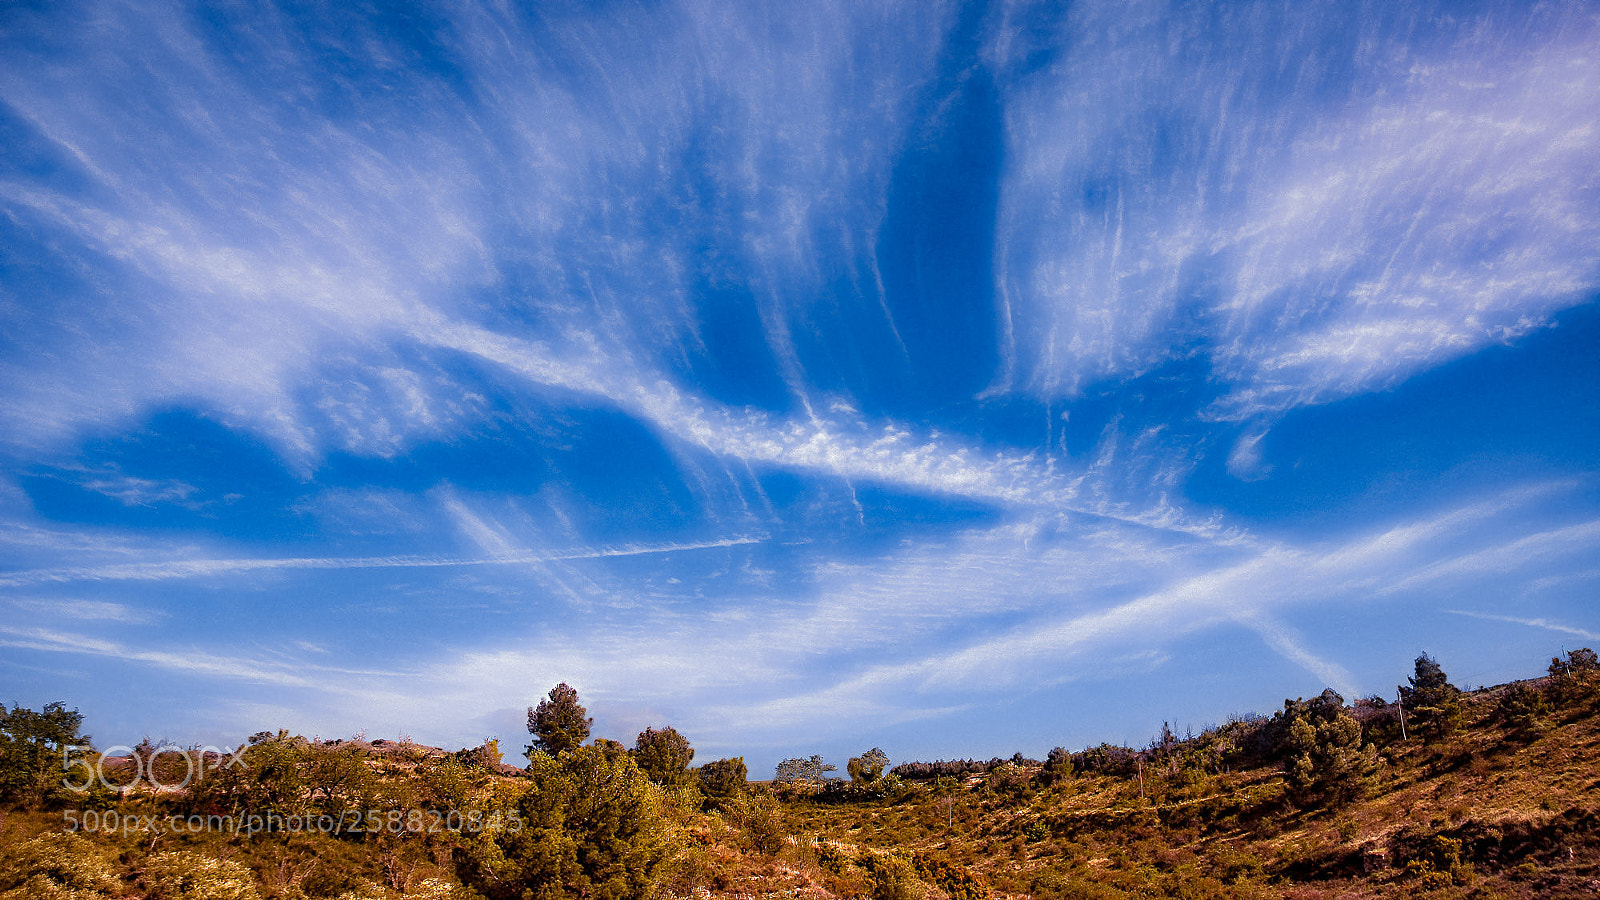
[{"x": 1497, "y": 797}]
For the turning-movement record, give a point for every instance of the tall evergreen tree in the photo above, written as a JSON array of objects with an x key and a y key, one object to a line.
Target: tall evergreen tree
[
  {"x": 1432, "y": 702},
  {"x": 558, "y": 723}
]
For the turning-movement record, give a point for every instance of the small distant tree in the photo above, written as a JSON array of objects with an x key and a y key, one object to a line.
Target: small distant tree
[
  {"x": 559, "y": 723},
  {"x": 1432, "y": 702},
  {"x": 722, "y": 780},
  {"x": 803, "y": 771},
  {"x": 1523, "y": 709},
  {"x": 663, "y": 756},
  {"x": 1326, "y": 765},
  {"x": 868, "y": 767},
  {"x": 1057, "y": 766},
  {"x": 1575, "y": 677}
]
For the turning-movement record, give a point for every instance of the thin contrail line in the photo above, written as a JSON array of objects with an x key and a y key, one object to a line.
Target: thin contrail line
[
  {"x": 1531, "y": 623},
  {"x": 176, "y": 569}
]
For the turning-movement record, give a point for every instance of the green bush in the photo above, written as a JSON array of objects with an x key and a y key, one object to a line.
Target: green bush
[
  {"x": 663, "y": 756},
  {"x": 58, "y": 866},
  {"x": 182, "y": 875},
  {"x": 1326, "y": 766},
  {"x": 590, "y": 825},
  {"x": 722, "y": 780},
  {"x": 1523, "y": 708}
]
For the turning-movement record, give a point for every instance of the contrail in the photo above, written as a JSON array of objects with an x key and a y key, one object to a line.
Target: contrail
[{"x": 196, "y": 568}]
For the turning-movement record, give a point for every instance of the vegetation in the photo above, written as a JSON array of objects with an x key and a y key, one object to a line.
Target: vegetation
[
  {"x": 559, "y": 723},
  {"x": 1488, "y": 793},
  {"x": 664, "y": 756}
]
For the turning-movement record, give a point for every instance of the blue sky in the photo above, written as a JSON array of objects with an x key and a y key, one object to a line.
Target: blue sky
[{"x": 951, "y": 378}]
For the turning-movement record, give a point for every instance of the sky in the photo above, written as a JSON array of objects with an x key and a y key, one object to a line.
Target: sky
[{"x": 953, "y": 378}]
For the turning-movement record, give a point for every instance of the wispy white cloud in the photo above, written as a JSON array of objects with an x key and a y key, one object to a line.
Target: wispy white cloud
[
  {"x": 85, "y": 610},
  {"x": 1245, "y": 461},
  {"x": 1411, "y": 194}
]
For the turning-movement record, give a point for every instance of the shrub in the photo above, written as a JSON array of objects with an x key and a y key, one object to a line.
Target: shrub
[
  {"x": 760, "y": 821},
  {"x": 722, "y": 780},
  {"x": 1523, "y": 708},
  {"x": 58, "y": 866},
  {"x": 891, "y": 877},
  {"x": 957, "y": 881},
  {"x": 590, "y": 825},
  {"x": 1057, "y": 767},
  {"x": 182, "y": 875}
]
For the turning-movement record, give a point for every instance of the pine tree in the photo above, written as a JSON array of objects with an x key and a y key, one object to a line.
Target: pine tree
[
  {"x": 723, "y": 779},
  {"x": 590, "y": 825},
  {"x": 1432, "y": 702},
  {"x": 558, "y": 723},
  {"x": 663, "y": 755},
  {"x": 1327, "y": 765}
]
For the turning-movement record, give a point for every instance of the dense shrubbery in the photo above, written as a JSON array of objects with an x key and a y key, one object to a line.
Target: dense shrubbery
[
  {"x": 590, "y": 824},
  {"x": 1326, "y": 765},
  {"x": 58, "y": 867},
  {"x": 942, "y": 768}
]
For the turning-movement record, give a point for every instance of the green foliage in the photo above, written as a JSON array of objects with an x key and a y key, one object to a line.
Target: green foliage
[
  {"x": 58, "y": 866},
  {"x": 559, "y": 723},
  {"x": 723, "y": 779},
  {"x": 1433, "y": 704},
  {"x": 891, "y": 877},
  {"x": 182, "y": 875},
  {"x": 868, "y": 767},
  {"x": 445, "y": 784},
  {"x": 1576, "y": 677},
  {"x": 1057, "y": 766},
  {"x": 957, "y": 881},
  {"x": 337, "y": 776},
  {"x": 32, "y": 752},
  {"x": 1326, "y": 765},
  {"x": 1440, "y": 864},
  {"x": 590, "y": 825},
  {"x": 663, "y": 756},
  {"x": 1523, "y": 708},
  {"x": 760, "y": 821},
  {"x": 273, "y": 777}
]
